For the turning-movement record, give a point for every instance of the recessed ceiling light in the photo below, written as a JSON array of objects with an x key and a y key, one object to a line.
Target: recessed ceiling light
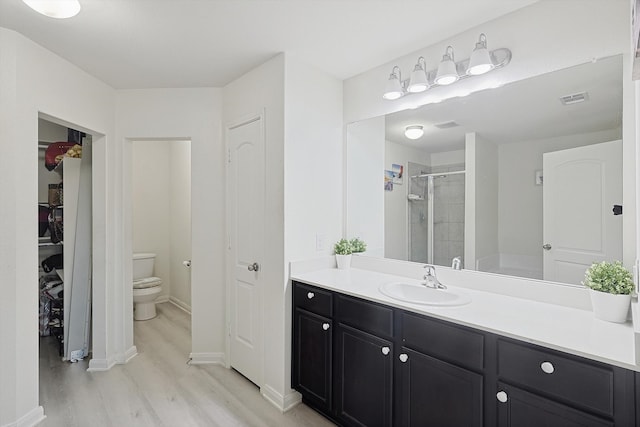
[{"x": 55, "y": 8}]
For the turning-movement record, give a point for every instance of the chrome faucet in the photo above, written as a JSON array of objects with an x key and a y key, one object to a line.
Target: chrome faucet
[
  {"x": 456, "y": 263},
  {"x": 430, "y": 279}
]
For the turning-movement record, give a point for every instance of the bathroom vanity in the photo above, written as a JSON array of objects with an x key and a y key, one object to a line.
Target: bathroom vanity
[{"x": 362, "y": 358}]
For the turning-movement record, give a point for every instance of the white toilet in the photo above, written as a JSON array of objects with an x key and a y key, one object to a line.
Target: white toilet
[{"x": 146, "y": 288}]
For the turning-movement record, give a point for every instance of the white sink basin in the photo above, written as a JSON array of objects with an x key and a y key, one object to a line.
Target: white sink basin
[{"x": 420, "y": 294}]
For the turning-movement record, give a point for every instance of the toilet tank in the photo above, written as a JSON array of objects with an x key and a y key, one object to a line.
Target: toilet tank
[{"x": 143, "y": 265}]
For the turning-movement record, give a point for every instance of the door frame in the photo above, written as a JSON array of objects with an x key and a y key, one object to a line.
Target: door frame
[{"x": 229, "y": 267}]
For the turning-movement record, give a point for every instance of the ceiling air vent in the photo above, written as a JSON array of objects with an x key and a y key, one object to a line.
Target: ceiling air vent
[
  {"x": 447, "y": 125},
  {"x": 574, "y": 98}
]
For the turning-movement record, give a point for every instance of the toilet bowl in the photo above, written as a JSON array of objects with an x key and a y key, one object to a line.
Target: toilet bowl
[{"x": 146, "y": 287}]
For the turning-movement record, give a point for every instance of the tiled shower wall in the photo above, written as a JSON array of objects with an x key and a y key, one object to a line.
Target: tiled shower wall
[{"x": 448, "y": 213}]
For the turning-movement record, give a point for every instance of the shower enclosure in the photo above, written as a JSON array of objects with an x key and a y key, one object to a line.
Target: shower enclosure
[{"x": 436, "y": 214}]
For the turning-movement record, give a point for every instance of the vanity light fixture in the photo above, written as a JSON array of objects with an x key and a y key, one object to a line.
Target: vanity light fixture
[
  {"x": 419, "y": 81},
  {"x": 394, "y": 88},
  {"x": 413, "y": 131},
  {"x": 480, "y": 61},
  {"x": 448, "y": 72},
  {"x": 59, "y": 9}
]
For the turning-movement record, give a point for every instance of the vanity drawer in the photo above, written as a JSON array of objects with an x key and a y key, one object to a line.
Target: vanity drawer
[
  {"x": 571, "y": 379},
  {"x": 366, "y": 316},
  {"x": 315, "y": 300},
  {"x": 456, "y": 344}
]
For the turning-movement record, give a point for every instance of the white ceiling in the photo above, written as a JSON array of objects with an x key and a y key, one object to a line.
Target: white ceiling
[
  {"x": 526, "y": 110},
  {"x": 194, "y": 43}
]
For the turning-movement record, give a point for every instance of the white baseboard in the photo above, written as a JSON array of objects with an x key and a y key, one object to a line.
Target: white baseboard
[
  {"x": 283, "y": 403},
  {"x": 207, "y": 359},
  {"x": 31, "y": 418},
  {"x": 128, "y": 355},
  {"x": 180, "y": 304},
  {"x": 98, "y": 365},
  {"x": 161, "y": 299}
]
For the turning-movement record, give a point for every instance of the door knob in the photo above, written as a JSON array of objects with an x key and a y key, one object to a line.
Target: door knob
[
  {"x": 502, "y": 396},
  {"x": 187, "y": 263},
  {"x": 546, "y": 247},
  {"x": 403, "y": 358},
  {"x": 310, "y": 295},
  {"x": 385, "y": 350},
  {"x": 253, "y": 267},
  {"x": 325, "y": 326}
]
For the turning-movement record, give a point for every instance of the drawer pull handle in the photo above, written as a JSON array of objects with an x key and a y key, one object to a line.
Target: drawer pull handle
[
  {"x": 310, "y": 295},
  {"x": 385, "y": 350},
  {"x": 502, "y": 397},
  {"x": 547, "y": 367},
  {"x": 403, "y": 358},
  {"x": 325, "y": 326}
]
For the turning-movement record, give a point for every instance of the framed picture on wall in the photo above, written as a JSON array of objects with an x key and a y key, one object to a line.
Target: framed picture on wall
[
  {"x": 388, "y": 180},
  {"x": 398, "y": 173},
  {"x": 635, "y": 28}
]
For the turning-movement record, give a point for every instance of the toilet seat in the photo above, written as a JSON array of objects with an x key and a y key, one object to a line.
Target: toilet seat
[{"x": 147, "y": 282}]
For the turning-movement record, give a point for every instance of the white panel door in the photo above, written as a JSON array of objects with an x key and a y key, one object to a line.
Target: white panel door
[
  {"x": 581, "y": 186},
  {"x": 245, "y": 215}
]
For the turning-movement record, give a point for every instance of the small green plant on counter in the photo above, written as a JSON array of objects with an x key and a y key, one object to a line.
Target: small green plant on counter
[
  {"x": 358, "y": 245},
  {"x": 609, "y": 277},
  {"x": 343, "y": 247}
]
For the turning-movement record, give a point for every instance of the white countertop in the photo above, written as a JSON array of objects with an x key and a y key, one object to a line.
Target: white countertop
[{"x": 567, "y": 329}]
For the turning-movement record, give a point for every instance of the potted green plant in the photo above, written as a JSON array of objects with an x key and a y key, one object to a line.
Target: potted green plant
[
  {"x": 343, "y": 251},
  {"x": 358, "y": 245},
  {"x": 610, "y": 285}
]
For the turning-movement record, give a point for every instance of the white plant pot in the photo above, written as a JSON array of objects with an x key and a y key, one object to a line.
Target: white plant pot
[
  {"x": 343, "y": 261},
  {"x": 610, "y": 307}
]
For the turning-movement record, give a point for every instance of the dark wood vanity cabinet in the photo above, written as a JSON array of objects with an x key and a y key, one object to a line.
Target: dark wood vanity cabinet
[
  {"x": 313, "y": 346},
  {"x": 366, "y": 364}
]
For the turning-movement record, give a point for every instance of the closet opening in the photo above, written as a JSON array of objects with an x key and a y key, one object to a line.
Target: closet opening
[
  {"x": 64, "y": 244},
  {"x": 159, "y": 182}
]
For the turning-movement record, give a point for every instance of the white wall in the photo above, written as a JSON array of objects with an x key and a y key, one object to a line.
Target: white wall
[
  {"x": 603, "y": 31},
  {"x": 180, "y": 224},
  {"x": 32, "y": 81},
  {"x": 151, "y": 205},
  {"x": 481, "y": 199},
  {"x": 364, "y": 198},
  {"x": 263, "y": 89},
  {"x": 313, "y": 182},
  {"x": 520, "y": 200},
  {"x": 182, "y": 114},
  {"x": 396, "y": 221}
]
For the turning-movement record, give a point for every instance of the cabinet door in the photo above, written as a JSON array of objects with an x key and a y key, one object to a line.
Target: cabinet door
[
  {"x": 436, "y": 393},
  {"x": 311, "y": 376},
  {"x": 363, "y": 382},
  {"x": 518, "y": 408}
]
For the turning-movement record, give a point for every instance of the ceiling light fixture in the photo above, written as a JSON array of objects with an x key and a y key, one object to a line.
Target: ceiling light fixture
[
  {"x": 55, "y": 8},
  {"x": 413, "y": 132},
  {"x": 419, "y": 81},
  {"x": 480, "y": 61},
  {"x": 394, "y": 89},
  {"x": 448, "y": 72}
]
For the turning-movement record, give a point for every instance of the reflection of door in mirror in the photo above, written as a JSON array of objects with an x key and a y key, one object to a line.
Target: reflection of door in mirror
[{"x": 581, "y": 186}]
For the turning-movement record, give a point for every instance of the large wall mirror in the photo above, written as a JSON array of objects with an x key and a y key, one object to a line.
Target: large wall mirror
[{"x": 519, "y": 180}]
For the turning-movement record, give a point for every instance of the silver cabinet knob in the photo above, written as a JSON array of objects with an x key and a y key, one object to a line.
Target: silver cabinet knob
[
  {"x": 547, "y": 367},
  {"x": 385, "y": 350},
  {"x": 325, "y": 326},
  {"x": 253, "y": 267},
  {"x": 310, "y": 295},
  {"x": 546, "y": 247},
  {"x": 403, "y": 358},
  {"x": 502, "y": 397}
]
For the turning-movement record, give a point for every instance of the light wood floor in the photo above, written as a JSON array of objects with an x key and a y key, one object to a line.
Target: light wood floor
[{"x": 157, "y": 387}]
